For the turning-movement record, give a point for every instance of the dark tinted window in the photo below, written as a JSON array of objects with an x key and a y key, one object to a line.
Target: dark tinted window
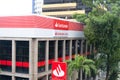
[
  {"x": 67, "y": 46},
  {"x": 51, "y": 53},
  {"x": 60, "y": 50},
  {"x": 41, "y": 55},
  {"x": 3, "y": 77},
  {"x": 6, "y": 55},
  {"x": 22, "y": 56},
  {"x": 19, "y": 78},
  {"x": 57, "y": 1},
  {"x": 79, "y": 46}
]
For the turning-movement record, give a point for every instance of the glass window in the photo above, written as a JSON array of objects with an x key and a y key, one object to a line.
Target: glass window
[
  {"x": 50, "y": 77},
  {"x": 51, "y": 53},
  {"x": 42, "y": 78},
  {"x": 19, "y": 78},
  {"x": 92, "y": 46},
  {"x": 67, "y": 46},
  {"x": 73, "y": 48},
  {"x": 88, "y": 48},
  {"x": 3, "y": 77},
  {"x": 60, "y": 50},
  {"x": 57, "y": 1},
  {"x": 41, "y": 55},
  {"x": 84, "y": 47},
  {"x": 6, "y": 55},
  {"x": 79, "y": 46},
  {"x": 22, "y": 56}
]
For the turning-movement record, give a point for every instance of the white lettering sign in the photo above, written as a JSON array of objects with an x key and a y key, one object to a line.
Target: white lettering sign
[{"x": 58, "y": 25}]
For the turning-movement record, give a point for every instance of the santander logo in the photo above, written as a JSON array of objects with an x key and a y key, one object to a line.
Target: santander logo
[
  {"x": 62, "y": 25},
  {"x": 58, "y": 72},
  {"x": 58, "y": 25}
]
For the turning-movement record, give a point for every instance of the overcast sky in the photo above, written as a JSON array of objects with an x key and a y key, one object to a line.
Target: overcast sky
[{"x": 15, "y": 7}]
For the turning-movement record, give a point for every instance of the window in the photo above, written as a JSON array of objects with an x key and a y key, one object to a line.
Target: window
[
  {"x": 19, "y": 78},
  {"x": 93, "y": 47},
  {"x": 41, "y": 55},
  {"x": 49, "y": 77},
  {"x": 22, "y": 56},
  {"x": 67, "y": 46},
  {"x": 6, "y": 55},
  {"x": 73, "y": 48},
  {"x": 60, "y": 50},
  {"x": 88, "y": 48},
  {"x": 51, "y": 53},
  {"x": 42, "y": 78},
  {"x": 59, "y": 9},
  {"x": 79, "y": 46},
  {"x": 3, "y": 77},
  {"x": 84, "y": 47},
  {"x": 57, "y": 1}
]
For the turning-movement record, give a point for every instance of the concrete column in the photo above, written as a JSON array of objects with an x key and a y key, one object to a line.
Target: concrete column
[
  {"x": 13, "y": 58},
  {"x": 47, "y": 58},
  {"x": 33, "y": 59},
  {"x": 70, "y": 49},
  {"x": 64, "y": 50},
  {"x": 56, "y": 50},
  {"x": 13, "y": 77},
  {"x": 91, "y": 48}
]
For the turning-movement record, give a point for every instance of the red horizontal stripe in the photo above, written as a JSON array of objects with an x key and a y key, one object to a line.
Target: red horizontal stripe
[
  {"x": 22, "y": 64},
  {"x": 51, "y": 60},
  {"x": 41, "y": 63},
  {"x": 18, "y": 64},
  {"x": 26, "y": 64},
  {"x": 5, "y": 62},
  {"x": 36, "y": 22}
]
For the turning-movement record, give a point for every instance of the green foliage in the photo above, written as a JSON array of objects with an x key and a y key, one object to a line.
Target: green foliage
[
  {"x": 80, "y": 18},
  {"x": 83, "y": 63},
  {"x": 114, "y": 75},
  {"x": 103, "y": 28},
  {"x": 88, "y": 3}
]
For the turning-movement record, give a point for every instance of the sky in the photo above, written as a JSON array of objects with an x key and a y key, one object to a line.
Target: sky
[{"x": 15, "y": 7}]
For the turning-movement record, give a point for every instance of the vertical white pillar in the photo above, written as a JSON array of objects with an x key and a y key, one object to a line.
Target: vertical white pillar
[
  {"x": 91, "y": 48},
  {"x": 56, "y": 50},
  {"x": 81, "y": 52},
  {"x": 86, "y": 48},
  {"x": 13, "y": 58},
  {"x": 64, "y": 50},
  {"x": 47, "y": 58},
  {"x": 70, "y": 49},
  {"x": 33, "y": 59},
  {"x": 13, "y": 77}
]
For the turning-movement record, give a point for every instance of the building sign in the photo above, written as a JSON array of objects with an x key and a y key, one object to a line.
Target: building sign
[
  {"x": 59, "y": 71},
  {"x": 61, "y": 28},
  {"x": 37, "y": 6},
  {"x": 61, "y": 25}
]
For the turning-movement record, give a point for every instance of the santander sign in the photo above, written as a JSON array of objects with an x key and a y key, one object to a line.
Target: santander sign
[
  {"x": 59, "y": 71},
  {"x": 61, "y": 25}
]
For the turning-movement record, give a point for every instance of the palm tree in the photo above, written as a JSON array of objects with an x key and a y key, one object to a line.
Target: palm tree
[{"x": 81, "y": 64}]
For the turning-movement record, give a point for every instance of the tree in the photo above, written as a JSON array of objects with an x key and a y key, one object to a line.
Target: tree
[
  {"x": 81, "y": 63},
  {"x": 103, "y": 29}
]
